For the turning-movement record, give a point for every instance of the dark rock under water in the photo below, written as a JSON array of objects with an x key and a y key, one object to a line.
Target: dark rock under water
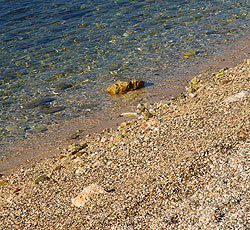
[{"x": 38, "y": 102}]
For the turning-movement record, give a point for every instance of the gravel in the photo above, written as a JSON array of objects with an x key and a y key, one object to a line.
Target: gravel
[{"x": 182, "y": 164}]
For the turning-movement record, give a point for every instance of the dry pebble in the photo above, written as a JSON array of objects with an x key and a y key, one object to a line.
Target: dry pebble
[
  {"x": 88, "y": 192},
  {"x": 184, "y": 166}
]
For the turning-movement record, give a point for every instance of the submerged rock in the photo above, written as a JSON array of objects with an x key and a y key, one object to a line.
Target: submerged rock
[
  {"x": 63, "y": 86},
  {"x": 50, "y": 110},
  {"x": 125, "y": 86},
  {"x": 189, "y": 53},
  {"x": 86, "y": 194},
  {"x": 74, "y": 136},
  {"x": 119, "y": 87},
  {"x": 38, "y": 102}
]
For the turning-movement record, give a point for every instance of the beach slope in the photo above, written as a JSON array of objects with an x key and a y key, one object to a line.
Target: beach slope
[{"x": 182, "y": 164}]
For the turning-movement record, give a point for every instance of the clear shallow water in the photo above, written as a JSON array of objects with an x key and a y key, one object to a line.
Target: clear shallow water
[{"x": 64, "y": 54}]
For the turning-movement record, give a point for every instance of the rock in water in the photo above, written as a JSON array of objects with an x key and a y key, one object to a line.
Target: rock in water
[
  {"x": 125, "y": 86},
  {"x": 63, "y": 86},
  {"x": 119, "y": 87},
  {"x": 38, "y": 102},
  {"x": 86, "y": 194},
  {"x": 135, "y": 84},
  {"x": 50, "y": 110},
  {"x": 189, "y": 53}
]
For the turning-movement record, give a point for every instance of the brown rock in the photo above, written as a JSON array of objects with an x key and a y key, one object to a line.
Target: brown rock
[
  {"x": 125, "y": 86},
  {"x": 135, "y": 84},
  {"x": 119, "y": 87}
]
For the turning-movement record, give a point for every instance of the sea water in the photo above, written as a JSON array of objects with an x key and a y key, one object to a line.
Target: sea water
[{"x": 58, "y": 57}]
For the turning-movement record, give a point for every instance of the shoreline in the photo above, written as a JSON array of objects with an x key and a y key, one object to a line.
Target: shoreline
[
  {"x": 47, "y": 144},
  {"x": 184, "y": 167}
]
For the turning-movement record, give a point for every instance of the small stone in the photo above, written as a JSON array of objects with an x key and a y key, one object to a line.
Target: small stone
[
  {"x": 74, "y": 136},
  {"x": 3, "y": 182},
  {"x": 148, "y": 115},
  {"x": 41, "y": 179},
  {"x": 224, "y": 82},
  {"x": 163, "y": 104},
  {"x": 74, "y": 148},
  {"x": 140, "y": 105},
  {"x": 60, "y": 157},
  {"x": 194, "y": 81},
  {"x": 58, "y": 167},
  {"x": 192, "y": 95},
  {"x": 125, "y": 86},
  {"x": 77, "y": 160},
  {"x": 129, "y": 114},
  {"x": 87, "y": 193},
  {"x": 123, "y": 124},
  {"x": 110, "y": 190},
  {"x": 124, "y": 131},
  {"x": 236, "y": 97},
  {"x": 103, "y": 140},
  {"x": 79, "y": 171},
  {"x": 17, "y": 190}
]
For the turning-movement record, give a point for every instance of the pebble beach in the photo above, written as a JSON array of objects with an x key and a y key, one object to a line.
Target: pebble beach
[{"x": 181, "y": 163}]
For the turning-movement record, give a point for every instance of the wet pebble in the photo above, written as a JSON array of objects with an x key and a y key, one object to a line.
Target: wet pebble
[{"x": 74, "y": 136}]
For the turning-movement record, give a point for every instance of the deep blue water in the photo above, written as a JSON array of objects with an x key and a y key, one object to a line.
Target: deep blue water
[{"x": 64, "y": 53}]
